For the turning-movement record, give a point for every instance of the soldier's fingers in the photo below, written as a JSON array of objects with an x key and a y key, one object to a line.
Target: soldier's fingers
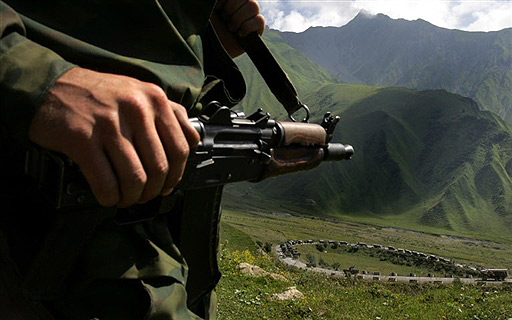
[
  {"x": 99, "y": 173},
  {"x": 175, "y": 144},
  {"x": 189, "y": 131},
  {"x": 247, "y": 11},
  {"x": 128, "y": 168},
  {"x": 255, "y": 24},
  {"x": 154, "y": 160}
]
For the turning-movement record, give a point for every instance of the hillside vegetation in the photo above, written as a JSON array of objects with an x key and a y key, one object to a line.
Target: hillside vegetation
[{"x": 244, "y": 297}]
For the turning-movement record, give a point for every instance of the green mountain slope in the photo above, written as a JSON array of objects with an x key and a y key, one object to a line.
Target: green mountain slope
[
  {"x": 377, "y": 50},
  {"x": 427, "y": 160}
]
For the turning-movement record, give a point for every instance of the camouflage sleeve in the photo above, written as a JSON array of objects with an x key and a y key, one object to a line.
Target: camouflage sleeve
[{"x": 27, "y": 71}]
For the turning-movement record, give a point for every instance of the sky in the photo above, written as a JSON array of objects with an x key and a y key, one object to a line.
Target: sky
[{"x": 469, "y": 15}]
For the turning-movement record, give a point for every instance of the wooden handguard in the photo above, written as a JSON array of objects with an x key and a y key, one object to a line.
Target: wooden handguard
[
  {"x": 305, "y": 134},
  {"x": 291, "y": 160},
  {"x": 301, "y": 149}
]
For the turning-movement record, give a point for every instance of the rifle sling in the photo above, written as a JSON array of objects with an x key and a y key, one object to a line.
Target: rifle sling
[{"x": 276, "y": 79}]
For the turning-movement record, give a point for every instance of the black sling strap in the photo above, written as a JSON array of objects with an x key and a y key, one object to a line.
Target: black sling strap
[{"x": 275, "y": 77}]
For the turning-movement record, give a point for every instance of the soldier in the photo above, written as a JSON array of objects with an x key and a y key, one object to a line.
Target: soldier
[{"x": 111, "y": 84}]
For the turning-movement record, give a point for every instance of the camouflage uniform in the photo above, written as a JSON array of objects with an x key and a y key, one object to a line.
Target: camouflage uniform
[{"x": 82, "y": 265}]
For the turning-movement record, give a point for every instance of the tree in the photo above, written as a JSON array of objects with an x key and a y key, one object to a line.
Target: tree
[{"x": 311, "y": 261}]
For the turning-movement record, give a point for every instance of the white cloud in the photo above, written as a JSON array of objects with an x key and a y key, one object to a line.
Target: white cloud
[
  {"x": 496, "y": 17},
  {"x": 474, "y": 15},
  {"x": 294, "y": 21}
]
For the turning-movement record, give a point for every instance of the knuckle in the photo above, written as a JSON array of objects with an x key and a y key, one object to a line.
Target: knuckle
[
  {"x": 182, "y": 151},
  {"x": 136, "y": 179},
  {"x": 157, "y": 95},
  {"x": 159, "y": 170},
  {"x": 108, "y": 121},
  {"x": 132, "y": 186},
  {"x": 80, "y": 137},
  {"x": 155, "y": 90},
  {"x": 133, "y": 101},
  {"x": 137, "y": 102},
  {"x": 177, "y": 108},
  {"x": 255, "y": 24},
  {"x": 259, "y": 21}
]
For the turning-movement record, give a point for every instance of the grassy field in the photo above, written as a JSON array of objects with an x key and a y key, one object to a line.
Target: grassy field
[
  {"x": 361, "y": 262},
  {"x": 244, "y": 297}
]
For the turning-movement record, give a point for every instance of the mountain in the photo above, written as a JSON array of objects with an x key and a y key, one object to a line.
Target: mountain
[
  {"x": 378, "y": 50},
  {"x": 423, "y": 159}
]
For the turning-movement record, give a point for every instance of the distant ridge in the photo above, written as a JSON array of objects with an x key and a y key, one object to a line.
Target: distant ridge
[{"x": 378, "y": 50}]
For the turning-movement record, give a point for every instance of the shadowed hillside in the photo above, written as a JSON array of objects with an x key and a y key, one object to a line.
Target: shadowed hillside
[{"x": 428, "y": 160}]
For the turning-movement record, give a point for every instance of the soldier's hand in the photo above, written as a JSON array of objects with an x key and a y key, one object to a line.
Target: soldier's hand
[
  {"x": 129, "y": 140},
  {"x": 239, "y": 17}
]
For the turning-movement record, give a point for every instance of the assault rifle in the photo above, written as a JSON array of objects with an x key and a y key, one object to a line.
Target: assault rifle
[{"x": 233, "y": 148}]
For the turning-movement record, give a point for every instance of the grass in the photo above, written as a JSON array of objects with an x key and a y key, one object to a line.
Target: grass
[
  {"x": 236, "y": 239},
  {"x": 243, "y": 297}
]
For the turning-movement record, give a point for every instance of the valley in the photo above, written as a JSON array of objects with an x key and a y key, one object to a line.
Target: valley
[
  {"x": 328, "y": 296},
  {"x": 267, "y": 227}
]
